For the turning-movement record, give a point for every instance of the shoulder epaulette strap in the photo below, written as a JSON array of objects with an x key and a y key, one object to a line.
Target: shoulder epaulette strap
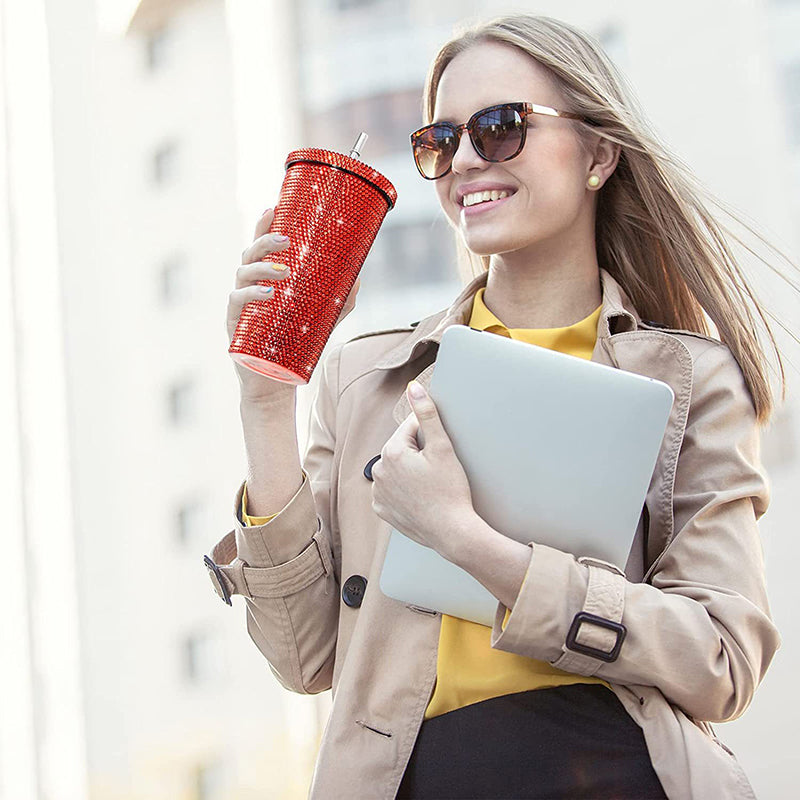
[
  {"x": 407, "y": 329},
  {"x": 649, "y": 324}
]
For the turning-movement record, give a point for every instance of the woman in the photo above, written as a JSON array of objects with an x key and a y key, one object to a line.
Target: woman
[{"x": 583, "y": 226}]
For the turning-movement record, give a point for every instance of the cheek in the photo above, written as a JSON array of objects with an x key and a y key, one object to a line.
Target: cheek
[
  {"x": 442, "y": 187},
  {"x": 567, "y": 159},
  {"x": 553, "y": 175}
]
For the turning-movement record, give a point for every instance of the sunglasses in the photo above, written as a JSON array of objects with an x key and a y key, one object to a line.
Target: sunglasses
[{"x": 497, "y": 133}]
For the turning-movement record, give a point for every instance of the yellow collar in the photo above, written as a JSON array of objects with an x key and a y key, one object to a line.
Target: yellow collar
[{"x": 576, "y": 339}]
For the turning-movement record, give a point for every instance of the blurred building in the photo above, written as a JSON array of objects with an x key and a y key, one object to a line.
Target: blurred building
[
  {"x": 119, "y": 242},
  {"x": 122, "y": 233},
  {"x": 42, "y": 727},
  {"x": 192, "y": 706}
]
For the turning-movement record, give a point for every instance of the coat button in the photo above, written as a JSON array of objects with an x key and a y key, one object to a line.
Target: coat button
[
  {"x": 353, "y": 590},
  {"x": 368, "y": 468}
]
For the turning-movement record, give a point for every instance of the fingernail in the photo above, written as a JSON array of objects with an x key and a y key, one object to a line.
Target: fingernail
[
  {"x": 279, "y": 237},
  {"x": 265, "y": 289},
  {"x": 279, "y": 267},
  {"x": 416, "y": 390},
  {"x": 266, "y": 212}
]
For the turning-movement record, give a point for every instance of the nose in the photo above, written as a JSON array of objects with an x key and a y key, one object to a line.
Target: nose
[{"x": 466, "y": 157}]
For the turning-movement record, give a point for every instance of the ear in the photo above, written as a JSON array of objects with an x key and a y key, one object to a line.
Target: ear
[{"x": 603, "y": 157}]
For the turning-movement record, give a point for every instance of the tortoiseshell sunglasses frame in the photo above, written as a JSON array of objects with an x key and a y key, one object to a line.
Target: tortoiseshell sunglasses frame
[{"x": 523, "y": 109}]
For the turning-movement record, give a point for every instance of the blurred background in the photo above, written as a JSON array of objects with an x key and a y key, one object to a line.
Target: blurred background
[{"x": 140, "y": 142}]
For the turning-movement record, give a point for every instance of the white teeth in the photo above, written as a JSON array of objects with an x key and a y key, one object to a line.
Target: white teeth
[{"x": 483, "y": 197}]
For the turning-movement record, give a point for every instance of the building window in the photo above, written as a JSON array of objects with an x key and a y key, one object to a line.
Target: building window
[
  {"x": 414, "y": 254},
  {"x": 780, "y": 448},
  {"x": 202, "y": 658},
  {"x": 164, "y": 166},
  {"x": 157, "y": 47},
  {"x": 174, "y": 280},
  {"x": 209, "y": 781},
  {"x": 388, "y": 119},
  {"x": 345, "y": 5},
  {"x": 181, "y": 401},
  {"x": 790, "y": 81},
  {"x": 189, "y": 519},
  {"x": 193, "y": 658},
  {"x": 612, "y": 40}
]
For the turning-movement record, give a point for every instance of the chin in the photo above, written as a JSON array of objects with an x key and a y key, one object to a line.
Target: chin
[
  {"x": 492, "y": 245},
  {"x": 500, "y": 235}
]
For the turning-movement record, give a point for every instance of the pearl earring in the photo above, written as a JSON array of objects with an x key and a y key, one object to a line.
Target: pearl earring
[{"x": 594, "y": 181}]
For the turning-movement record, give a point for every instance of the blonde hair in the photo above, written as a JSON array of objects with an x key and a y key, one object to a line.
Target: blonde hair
[{"x": 654, "y": 233}]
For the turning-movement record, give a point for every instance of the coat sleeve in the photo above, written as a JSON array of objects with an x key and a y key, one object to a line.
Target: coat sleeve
[
  {"x": 285, "y": 567},
  {"x": 699, "y": 629}
]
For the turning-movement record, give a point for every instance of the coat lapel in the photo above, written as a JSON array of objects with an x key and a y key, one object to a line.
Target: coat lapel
[
  {"x": 666, "y": 358},
  {"x": 621, "y": 343},
  {"x": 403, "y": 408},
  {"x": 617, "y": 314}
]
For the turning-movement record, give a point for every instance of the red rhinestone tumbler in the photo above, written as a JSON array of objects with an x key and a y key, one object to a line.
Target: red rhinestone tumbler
[{"x": 331, "y": 207}]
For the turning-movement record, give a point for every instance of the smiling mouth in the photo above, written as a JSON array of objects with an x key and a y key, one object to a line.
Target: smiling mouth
[{"x": 476, "y": 198}]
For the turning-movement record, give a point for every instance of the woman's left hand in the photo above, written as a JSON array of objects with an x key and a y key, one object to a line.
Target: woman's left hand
[{"x": 423, "y": 492}]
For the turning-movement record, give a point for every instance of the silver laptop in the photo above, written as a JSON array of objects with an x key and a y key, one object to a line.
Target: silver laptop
[{"x": 557, "y": 449}]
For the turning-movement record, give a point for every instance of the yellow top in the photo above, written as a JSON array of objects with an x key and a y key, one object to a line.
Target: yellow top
[
  {"x": 468, "y": 668},
  {"x": 247, "y": 519}
]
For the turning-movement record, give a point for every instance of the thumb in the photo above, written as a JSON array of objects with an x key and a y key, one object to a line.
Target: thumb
[{"x": 431, "y": 428}]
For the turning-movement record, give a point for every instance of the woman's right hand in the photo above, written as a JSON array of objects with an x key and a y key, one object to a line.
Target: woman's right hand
[{"x": 255, "y": 387}]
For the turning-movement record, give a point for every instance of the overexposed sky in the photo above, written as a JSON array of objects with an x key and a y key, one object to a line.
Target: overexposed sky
[{"x": 113, "y": 15}]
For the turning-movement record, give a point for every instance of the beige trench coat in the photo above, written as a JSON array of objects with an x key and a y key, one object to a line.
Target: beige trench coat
[{"x": 699, "y": 633}]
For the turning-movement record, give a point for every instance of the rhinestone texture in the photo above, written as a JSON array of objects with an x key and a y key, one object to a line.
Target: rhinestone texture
[{"x": 331, "y": 207}]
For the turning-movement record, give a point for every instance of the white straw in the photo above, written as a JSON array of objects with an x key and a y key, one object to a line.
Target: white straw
[{"x": 356, "y": 151}]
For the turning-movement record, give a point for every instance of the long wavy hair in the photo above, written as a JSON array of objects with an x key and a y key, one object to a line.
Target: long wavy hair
[{"x": 654, "y": 233}]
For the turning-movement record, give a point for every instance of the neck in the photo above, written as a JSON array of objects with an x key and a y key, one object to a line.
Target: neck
[{"x": 543, "y": 290}]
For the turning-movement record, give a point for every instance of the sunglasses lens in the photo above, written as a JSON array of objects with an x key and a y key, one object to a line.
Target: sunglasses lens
[
  {"x": 498, "y": 133},
  {"x": 434, "y": 148}
]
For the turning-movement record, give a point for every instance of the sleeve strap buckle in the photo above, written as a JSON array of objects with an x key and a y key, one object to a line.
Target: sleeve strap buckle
[{"x": 582, "y": 617}]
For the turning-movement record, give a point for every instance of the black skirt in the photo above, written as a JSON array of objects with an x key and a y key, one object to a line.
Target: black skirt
[{"x": 566, "y": 742}]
